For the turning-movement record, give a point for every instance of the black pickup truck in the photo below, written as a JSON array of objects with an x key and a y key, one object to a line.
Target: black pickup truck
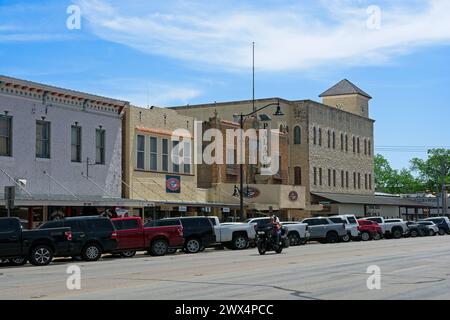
[{"x": 38, "y": 246}]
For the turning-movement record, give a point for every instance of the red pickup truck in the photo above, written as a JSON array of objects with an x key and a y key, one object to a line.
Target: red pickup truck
[{"x": 132, "y": 236}]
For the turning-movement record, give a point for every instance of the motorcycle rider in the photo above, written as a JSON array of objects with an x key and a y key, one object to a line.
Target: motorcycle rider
[{"x": 276, "y": 228}]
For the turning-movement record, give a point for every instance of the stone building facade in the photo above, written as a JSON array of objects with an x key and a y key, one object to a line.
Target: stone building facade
[{"x": 330, "y": 143}]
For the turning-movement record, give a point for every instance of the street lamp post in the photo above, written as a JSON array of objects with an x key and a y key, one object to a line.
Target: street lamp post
[{"x": 240, "y": 190}]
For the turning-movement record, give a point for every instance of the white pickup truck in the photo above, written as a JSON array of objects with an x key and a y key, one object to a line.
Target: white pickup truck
[
  {"x": 351, "y": 225},
  {"x": 235, "y": 235},
  {"x": 395, "y": 228}
]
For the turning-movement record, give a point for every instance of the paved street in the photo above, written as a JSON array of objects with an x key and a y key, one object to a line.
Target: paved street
[{"x": 410, "y": 269}]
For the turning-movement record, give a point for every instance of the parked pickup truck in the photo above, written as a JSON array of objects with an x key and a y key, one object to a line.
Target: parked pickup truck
[
  {"x": 324, "y": 230},
  {"x": 157, "y": 237},
  {"x": 395, "y": 228},
  {"x": 351, "y": 224},
  {"x": 298, "y": 232},
  {"x": 37, "y": 246},
  {"x": 236, "y": 235}
]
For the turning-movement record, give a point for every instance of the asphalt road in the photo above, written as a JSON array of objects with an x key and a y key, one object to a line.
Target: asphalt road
[{"x": 416, "y": 268}]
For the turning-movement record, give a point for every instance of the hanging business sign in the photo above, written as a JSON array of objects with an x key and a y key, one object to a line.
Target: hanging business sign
[
  {"x": 293, "y": 196},
  {"x": 173, "y": 184},
  {"x": 225, "y": 210},
  {"x": 250, "y": 192},
  {"x": 182, "y": 209}
]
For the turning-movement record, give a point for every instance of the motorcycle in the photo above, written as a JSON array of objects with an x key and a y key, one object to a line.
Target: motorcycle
[{"x": 265, "y": 241}]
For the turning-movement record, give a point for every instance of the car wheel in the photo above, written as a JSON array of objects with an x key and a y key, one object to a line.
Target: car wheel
[
  {"x": 376, "y": 236},
  {"x": 346, "y": 238},
  {"x": 397, "y": 234},
  {"x": 332, "y": 237},
  {"x": 128, "y": 253},
  {"x": 240, "y": 242},
  {"x": 159, "y": 247},
  {"x": 18, "y": 261},
  {"x": 413, "y": 233},
  {"x": 91, "y": 252},
  {"x": 431, "y": 233},
  {"x": 441, "y": 231},
  {"x": 193, "y": 246},
  {"x": 365, "y": 236},
  {"x": 41, "y": 255},
  {"x": 294, "y": 239}
]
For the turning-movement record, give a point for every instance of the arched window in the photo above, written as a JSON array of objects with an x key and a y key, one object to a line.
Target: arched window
[
  {"x": 281, "y": 128},
  {"x": 297, "y": 176},
  {"x": 297, "y": 135}
]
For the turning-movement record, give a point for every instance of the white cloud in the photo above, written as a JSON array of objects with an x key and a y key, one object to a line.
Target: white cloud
[
  {"x": 146, "y": 92},
  {"x": 287, "y": 37}
]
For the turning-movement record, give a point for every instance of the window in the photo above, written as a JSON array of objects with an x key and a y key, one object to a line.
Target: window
[
  {"x": 354, "y": 144},
  {"x": 42, "y": 139},
  {"x": 315, "y": 135},
  {"x": 329, "y": 177},
  {"x": 369, "y": 148},
  {"x": 76, "y": 143},
  {"x": 297, "y": 176},
  {"x": 187, "y": 157},
  {"x": 346, "y": 180},
  {"x": 5, "y": 136},
  {"x": 365, "y": 147},
  {"x": 346, "y": 143},
  {"x": 359, "y": 181},
  {"x": 320, "y": 176},
  {"x": 165, "y": 155},
  {"x": 320, "y": 136},
  {"x": 153, "y": 153},
  {"x": 334, "y": 140},
  {"x": 354, "y": 180},
  {"x": 334, "y": 178},
  {"x": 175, "y": 157},
  {"x": 329, "y": 139},
  {"x": 140, "y": 152},
  {"x": 370, "y": 182},
  {"x": 126, "y": 224},
  {"x": 315, "y": 176},
  {"x": 342, "y": 142},
  {"x": 365, "y": 182},
  {"x": 358, "y": 146},
  {"x": 100, "y": 147},
  {"x": 342, "y": 179},
  {"x": 297, "y": 135}
]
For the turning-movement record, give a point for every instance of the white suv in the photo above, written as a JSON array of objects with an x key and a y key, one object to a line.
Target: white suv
[{"x": 351, "y": 225}]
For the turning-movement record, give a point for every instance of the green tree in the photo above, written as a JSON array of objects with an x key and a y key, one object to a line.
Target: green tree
[
  {"x": 390, "y": 180},
  {"x": 430, "y": 170}
]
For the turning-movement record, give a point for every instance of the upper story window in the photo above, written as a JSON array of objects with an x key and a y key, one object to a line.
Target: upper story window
[
  {"x": 153, "y": 153},
  {"x": 297, "y": 176},
  {"x": 42, "y": 139},
  {"x": 297, "y": 135},
  {"x": 175, "y": 156},
  {"x": 100, "y": 147},
  {"x": 165, "y": 155},
  {"x": 354, "y": 144},
  {"x": 315, "y": 135},
  {"x": 346, "y": 143},
  {"x": 5, "y": 136},
  {"x": 369, "y": 148},
  {"x": 334, "y": 140},
  {"x": 342, "y": 142},
  {"x": 329, "y": 139},
  {"x": 140, "y": 152},
  {"x": 75, "y": 143},
  {"x": 315, "y": 176},
  {"x": 365, "y": 146},
  {"x": 187, "y": 157},
  {"x": 358, "y": 146}
]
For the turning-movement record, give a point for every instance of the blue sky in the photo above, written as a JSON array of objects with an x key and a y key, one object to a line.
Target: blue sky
[{"x": 177, "y": 52}]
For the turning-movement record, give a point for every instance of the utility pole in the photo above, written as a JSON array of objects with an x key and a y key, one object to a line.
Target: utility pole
[{"x": 444, "y": 193}]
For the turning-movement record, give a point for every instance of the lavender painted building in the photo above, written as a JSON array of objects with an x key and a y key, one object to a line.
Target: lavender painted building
[{"x": 58, "y": 146}]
